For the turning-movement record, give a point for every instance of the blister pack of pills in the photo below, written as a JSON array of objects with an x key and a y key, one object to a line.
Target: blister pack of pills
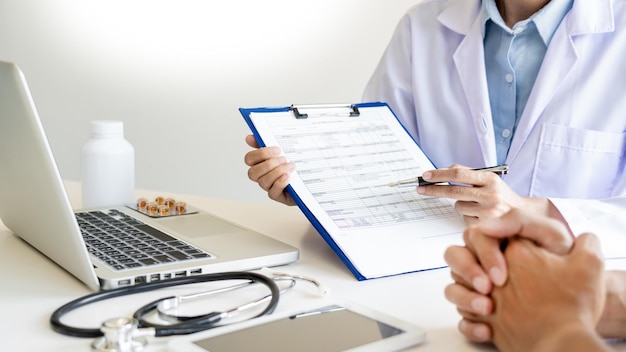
[{"x": 161, "y": 207}]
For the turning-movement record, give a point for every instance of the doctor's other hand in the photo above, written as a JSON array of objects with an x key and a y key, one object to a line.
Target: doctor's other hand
[
  {"x": 270, "y": 170},
  {"x": 478, "y": 194},
  {"x": 480, "y": 265}
]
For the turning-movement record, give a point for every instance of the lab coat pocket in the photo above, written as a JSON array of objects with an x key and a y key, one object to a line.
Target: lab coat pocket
[{"x": 578, "y": 163}]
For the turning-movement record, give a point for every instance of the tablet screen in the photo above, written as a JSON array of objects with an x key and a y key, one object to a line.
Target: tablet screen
[{"x": 333, "y": 328}]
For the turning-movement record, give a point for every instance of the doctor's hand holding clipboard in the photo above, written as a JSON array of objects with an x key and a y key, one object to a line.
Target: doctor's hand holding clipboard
[{"x": 270, "y": 170}]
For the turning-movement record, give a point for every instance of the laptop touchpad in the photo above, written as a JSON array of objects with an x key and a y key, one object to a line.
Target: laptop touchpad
[{"x": 196, "y": 225}]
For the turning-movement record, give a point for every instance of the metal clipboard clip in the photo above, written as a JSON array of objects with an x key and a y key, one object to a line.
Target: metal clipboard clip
[{"x": 353, "y": 110}]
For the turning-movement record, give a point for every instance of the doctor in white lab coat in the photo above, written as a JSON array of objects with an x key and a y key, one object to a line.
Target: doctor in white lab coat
[{"x": 568, "y": 146}]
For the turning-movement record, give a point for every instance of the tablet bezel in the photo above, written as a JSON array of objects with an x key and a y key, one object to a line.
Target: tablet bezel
[{"x": 412, "y": 335}]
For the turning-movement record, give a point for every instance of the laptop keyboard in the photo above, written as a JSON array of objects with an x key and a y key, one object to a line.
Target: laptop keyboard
[{"x": 124, "y": 242}]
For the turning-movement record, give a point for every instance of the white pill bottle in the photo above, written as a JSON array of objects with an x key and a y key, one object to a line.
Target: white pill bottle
[{"x": 107, "y": 166}]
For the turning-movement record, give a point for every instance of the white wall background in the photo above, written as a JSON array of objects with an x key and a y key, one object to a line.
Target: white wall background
[{"x": 176, "y": 72}]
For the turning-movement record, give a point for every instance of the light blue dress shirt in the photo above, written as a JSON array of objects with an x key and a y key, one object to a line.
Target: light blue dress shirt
[{"x": 513, "y": 57}]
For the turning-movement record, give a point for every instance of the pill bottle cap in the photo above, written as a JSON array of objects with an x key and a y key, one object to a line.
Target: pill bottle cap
[{"x": 107, "y": 128}]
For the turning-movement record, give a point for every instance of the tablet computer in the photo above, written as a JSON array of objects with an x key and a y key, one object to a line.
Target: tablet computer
[{"x": 332, "y": 327}]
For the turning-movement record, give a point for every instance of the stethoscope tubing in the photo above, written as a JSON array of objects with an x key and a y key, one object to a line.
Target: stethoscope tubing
[{"x": 184, "y": 327}]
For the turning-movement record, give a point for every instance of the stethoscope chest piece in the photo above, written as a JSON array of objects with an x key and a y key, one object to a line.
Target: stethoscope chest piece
[{"x": 118, "y": 337}]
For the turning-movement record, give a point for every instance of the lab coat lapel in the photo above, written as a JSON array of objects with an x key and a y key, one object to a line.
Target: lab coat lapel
[
  {"x": 585, "y": 17},
  {"x": 464, "y": 17},
  {"x": 559, "y": 60}
]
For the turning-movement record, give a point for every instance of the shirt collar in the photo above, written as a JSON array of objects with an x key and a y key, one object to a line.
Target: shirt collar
[{"x": 546, "y": 20}]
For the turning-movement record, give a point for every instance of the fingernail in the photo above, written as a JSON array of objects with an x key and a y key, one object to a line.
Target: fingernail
[
  {"x": 480, "y": 284},
  {"x": 462, "y": 325},
  {"x": 479, "y": 305},
  {"x": 427, "y": 175},
  {"x": 496, "y": 276},
  {"x": 421, "y": 189},
  {"x": 481, "y": 332}
]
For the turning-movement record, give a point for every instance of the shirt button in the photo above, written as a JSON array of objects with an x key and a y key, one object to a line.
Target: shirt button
[
  {"x": 506, "y": 133},
  {"x": 508, "y": 77},
  {"x": 519, "y": 30}
]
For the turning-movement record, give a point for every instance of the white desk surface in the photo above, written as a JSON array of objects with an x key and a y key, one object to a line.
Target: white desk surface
[{"x": 33, "y": 287}]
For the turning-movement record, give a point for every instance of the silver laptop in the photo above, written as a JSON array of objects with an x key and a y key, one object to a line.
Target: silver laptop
[{"x": 35, "y": 206}]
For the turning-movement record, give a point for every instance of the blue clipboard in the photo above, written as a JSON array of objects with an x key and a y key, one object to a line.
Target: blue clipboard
[{"x": 312, "y": 219}]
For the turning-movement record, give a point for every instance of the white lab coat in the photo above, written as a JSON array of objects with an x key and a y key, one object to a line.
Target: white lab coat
[{"x": 571, "y": 139}]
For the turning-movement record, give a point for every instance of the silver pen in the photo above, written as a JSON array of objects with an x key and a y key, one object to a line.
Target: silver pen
[{"x": 498, "y": 169}]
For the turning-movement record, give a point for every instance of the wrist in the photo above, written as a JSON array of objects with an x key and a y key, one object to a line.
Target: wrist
[
  {"x": 542, "y": 206},
  {"x": 571, "y": 337},
  {"x": 612, "y": 323},
  {"x": 545, "y": 207}
]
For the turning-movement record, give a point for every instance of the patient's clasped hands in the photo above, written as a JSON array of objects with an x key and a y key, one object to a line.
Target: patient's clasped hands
[{"x": 523, "y": 282}]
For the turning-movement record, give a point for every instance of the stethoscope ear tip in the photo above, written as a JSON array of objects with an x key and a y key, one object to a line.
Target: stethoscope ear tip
[
  {"x": 322, "y": 290},
  {"x": 267, "y": 271}
]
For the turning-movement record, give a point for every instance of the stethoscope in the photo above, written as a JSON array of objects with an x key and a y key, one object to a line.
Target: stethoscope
[{"x": 130, "y": 334}]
